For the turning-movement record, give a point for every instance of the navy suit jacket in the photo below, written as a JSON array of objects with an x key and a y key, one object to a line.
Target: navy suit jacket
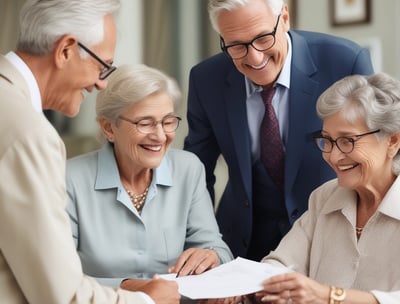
[{"x": 217, "y": 118}]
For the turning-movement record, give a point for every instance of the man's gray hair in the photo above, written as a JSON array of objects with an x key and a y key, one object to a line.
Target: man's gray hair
[
  {"x": 216, "y": 7},
  {"x": 44, "y": 22}
]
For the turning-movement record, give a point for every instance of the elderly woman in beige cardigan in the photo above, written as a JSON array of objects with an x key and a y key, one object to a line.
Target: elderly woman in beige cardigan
[{"x": 346, "y": 247}]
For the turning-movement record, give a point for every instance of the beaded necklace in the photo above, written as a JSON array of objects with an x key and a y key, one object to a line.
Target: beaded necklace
[{"x": 138, "y": 199}]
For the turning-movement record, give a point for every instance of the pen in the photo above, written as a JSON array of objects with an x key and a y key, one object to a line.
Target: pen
[{"x": 179, "y": 271}]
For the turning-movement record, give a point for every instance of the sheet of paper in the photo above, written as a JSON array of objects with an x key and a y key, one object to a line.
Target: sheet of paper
[{"x": 238, "y": 277}]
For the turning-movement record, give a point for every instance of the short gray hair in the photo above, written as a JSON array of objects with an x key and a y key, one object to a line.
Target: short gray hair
[
  {"x": 375, "y": 98},
  {"x": 43, "y": 22},
  {"x": 216, "y": 7},
  {"x": 131, "y": 83}
]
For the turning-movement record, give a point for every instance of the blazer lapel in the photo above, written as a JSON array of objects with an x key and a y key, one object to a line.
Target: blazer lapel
[
  {"x": 302, "y": 94},
  {"x": 235, "y": 105}
]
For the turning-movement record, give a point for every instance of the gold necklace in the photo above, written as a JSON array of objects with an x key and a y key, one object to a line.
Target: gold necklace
[{"x": 138, "y": 199}]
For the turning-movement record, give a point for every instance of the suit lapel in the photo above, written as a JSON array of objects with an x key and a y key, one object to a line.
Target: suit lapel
[
  {"x": 235, "y": 105},
  {"x": 302, "y": 95}
]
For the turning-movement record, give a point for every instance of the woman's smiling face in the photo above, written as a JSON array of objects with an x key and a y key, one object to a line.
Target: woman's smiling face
[
  {"x": 143, "y": 151},
  {"x": 368, "y": 163}
]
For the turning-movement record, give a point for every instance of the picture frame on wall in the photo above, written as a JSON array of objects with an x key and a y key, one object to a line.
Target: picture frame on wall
[{"x": 350, "y": 12}]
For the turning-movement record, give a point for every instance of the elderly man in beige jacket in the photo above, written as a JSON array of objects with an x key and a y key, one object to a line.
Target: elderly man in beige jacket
[{"x": 65, "y": 49}]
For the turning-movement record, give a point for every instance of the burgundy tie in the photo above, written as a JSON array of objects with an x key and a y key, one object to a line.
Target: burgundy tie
[{"x": 272, "y": 155}]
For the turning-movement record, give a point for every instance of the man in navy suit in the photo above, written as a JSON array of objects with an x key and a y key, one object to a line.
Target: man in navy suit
[{"x": 225, "y": 111}]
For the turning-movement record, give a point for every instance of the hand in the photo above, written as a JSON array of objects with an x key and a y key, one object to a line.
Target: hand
[
  {"x": 161, "y": 291},
  {"x": 195, "y": 261},
  {"x": 293, "y": 288}
]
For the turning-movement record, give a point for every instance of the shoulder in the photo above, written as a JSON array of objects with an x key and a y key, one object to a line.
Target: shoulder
[
  {"x": 183, "y": 157},
  {"x": 322, "y": 40},
  {"x": 330, "y": 196},
  {"x": 210, "y": 65},
  {"x": 24, "y": 129},
  {"x": 82, "y": 163},
  {"x": 184, "y": 163},
  {"x": 327, "y": 188}
]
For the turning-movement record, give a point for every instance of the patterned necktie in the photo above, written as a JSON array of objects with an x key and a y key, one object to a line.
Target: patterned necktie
[{"x": 272, "y": 155}]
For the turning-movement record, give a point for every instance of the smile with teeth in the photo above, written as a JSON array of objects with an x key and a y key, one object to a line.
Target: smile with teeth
[
  {"x": 347, "y": 167},
  {"x": 261, "y": 66},
  {"x": 152, "y": 147}
]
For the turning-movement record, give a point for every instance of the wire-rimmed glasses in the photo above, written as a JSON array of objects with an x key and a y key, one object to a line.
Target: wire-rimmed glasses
[
  {"x": 344, "y": 143},
  {"x": 107, "y": 68},
  {"x": 260, "y": 43},
  {"x": 147, "y": 125}
]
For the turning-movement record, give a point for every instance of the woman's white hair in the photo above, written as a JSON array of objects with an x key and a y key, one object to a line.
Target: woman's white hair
[
  {"x": 375, "y": 99},
  {"x": 129, "y": 84}
]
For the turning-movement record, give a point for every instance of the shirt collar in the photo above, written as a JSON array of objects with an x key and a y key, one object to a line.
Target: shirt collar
[
  {"x": 108, "y": 174},
  {"x": 283, "y": 78},
  {"x": 34, "y": 91},
  {"x": 346, "y": 200},
  {"x": 390, "y": 203}
]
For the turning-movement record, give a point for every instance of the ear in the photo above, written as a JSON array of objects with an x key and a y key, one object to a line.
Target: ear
[
  {"x": 65, "y": 49},
  {"x": 107, "y": 128},
  {"x": 394, "y": 145},
  {"x": 285, "y": 18}
]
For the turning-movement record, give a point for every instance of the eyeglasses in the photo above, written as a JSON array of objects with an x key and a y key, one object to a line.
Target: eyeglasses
[
  {"x": 107, "y": 68},
  {"x": 260, "y": 43},
  {"x": 344, "y": 144},
  {"x": 148, "y": 125}
]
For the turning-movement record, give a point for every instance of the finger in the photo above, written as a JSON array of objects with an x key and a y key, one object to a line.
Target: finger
[
  {"x": 208, "y": 260},
  {"x": 279, "y": 283},
  {"x": 182, "y": 260},
  {"x": 193, "y": 264}
]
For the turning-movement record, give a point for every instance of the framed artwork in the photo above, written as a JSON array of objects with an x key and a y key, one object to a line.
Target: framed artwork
[{"x": 349, "y": 12}]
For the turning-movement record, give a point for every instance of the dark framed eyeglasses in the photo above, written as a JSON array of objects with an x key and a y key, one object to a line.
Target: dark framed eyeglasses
[
  {"x": 344, "y": 143},
  {"x": 260, "y": 43},
  {"x": 107, "y": 68},
  {"x": 147, "y": 125}
]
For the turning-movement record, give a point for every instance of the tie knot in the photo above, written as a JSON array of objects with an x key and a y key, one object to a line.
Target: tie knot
[{"x": 267, "y": 94}]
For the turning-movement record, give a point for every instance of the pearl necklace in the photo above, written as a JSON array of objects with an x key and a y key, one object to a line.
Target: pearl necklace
[{"x": 138, "y": 199}]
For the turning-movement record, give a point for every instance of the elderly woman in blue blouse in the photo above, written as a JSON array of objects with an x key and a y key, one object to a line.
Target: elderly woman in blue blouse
[
  {"x": 346, "y": 247},
  {"x": 136, "y": 206}
]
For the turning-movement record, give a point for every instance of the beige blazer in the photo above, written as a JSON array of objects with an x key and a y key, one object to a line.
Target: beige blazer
[{"x": 38, "y": 259}]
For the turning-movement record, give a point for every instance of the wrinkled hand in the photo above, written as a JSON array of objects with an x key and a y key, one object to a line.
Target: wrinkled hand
[
  {"x": 195, "y": 261},
  {"x": 293, "y": 288},
  {"x": 160, "y": 290}
]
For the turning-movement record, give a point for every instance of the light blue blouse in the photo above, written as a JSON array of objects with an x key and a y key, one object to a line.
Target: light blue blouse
[{"x": 115, "y": 241}]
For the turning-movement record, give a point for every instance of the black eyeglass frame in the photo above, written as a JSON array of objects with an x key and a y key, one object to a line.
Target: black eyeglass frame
[
  {"x": 351, "y": 139},
  {"x": 154, "y": 124},
  {"x": 225, "y": 48},
  {"x": 108, "y": 68}
]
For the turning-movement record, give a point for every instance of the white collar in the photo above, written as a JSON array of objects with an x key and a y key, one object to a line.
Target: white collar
[{"x": 34, "y": 91}]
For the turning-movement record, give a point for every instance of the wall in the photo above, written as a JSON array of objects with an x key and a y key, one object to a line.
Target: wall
[{"x": 382, "y": 33}]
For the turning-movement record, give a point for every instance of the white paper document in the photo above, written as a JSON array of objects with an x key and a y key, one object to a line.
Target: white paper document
[{"x": 238, "y": 277}]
